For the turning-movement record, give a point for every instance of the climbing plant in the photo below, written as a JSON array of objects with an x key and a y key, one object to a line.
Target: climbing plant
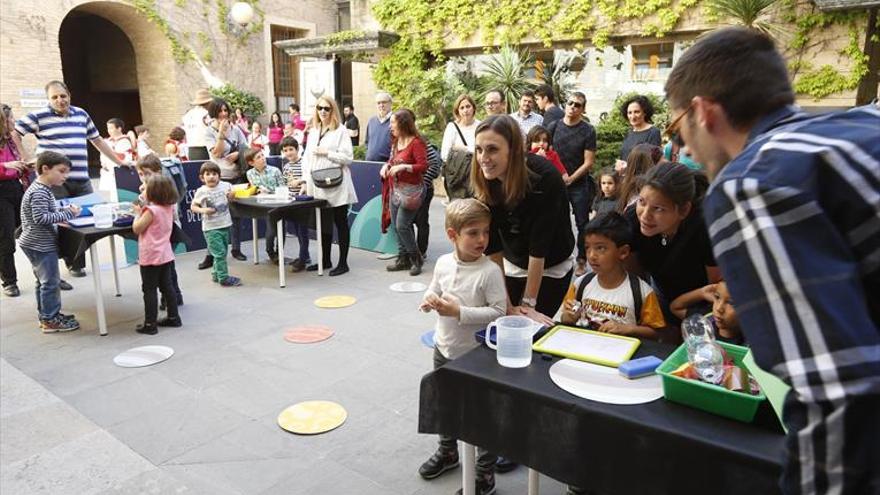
[{"x": 427, "y": 27}]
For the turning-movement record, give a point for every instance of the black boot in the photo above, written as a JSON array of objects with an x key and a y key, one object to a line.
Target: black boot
[
  {"x": 417, "y": 262},
  {"x": 208, "y": 262},
  {"x": 402, "y": 263}
]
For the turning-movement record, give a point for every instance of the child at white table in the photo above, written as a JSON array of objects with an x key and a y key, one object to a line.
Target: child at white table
[
  {"x": 39, "y": 239},
  {"x": 148, "y": 166},
  {"x": 266, "y": 178},
  {"x": 292, "y": 173},
  {"x": 153, "y": 225},
  {"x": 211, "y": 201},
  {"x": 467, "y": 291}
]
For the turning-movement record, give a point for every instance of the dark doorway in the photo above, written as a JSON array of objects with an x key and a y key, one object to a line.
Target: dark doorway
[{"x": 100, "y": 69}]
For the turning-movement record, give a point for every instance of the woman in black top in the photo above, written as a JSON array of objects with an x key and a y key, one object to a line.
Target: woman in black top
[
  {"x": 638, "y": 111},
  {"x": 670, "y": 240},
  {"x": 530, "y": 235}
]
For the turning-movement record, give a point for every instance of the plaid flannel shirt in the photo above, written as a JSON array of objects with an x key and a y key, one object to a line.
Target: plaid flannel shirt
[{"x": 795, "y": 226}]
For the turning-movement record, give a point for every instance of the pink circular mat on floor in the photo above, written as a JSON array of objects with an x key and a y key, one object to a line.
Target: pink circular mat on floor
[{"x": 308, "y": 334}]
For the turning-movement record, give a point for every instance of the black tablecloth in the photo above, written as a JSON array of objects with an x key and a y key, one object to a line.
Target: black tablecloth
[
  {"x": 659, "y": 447},
  {"x": 298, "y": 211},
  {"x": 73, "y": 242}
]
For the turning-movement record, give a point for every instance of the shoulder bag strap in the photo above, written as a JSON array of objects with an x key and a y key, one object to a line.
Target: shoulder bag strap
[
  {"x": 460, "y": 134},
  {"x": 584, "y": 283}
]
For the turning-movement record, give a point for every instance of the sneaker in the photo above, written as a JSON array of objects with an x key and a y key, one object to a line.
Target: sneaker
[
  {"x": 400, "y": 264},
  {"x": 484, "y": 486},
  {"x": 438, "y": 464},
  {"x": 147, "y": 328},
  {"x": 238, "y": 255},
  {"x": 504, "y": 465},
  {"x": 11, "y": 290},
  {"x": 231, "y": 282},
  {"x": 77, "y": 272},
  {"x": 299, "y": 265},
  {"x": 64, "y": 285},
  {"x": 206, "y": 263},
  {"x": 58, "y": 324},
  {"x": 170, "y": 322},
  {"x": 66, "y": 317}
]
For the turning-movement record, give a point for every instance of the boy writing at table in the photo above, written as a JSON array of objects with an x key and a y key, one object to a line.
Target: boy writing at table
[
  {"x": 266, "y": 179},
  {"x": 467, "y": 292}
]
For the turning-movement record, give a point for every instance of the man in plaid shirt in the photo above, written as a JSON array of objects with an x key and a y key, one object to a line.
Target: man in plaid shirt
[{"x": 794, "y": 216}]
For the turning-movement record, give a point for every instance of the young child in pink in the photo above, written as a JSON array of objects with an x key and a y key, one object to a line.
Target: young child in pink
[{"x": 153, "y": 226}]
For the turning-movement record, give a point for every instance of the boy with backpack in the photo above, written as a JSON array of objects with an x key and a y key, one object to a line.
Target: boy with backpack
[{"x": 609, "y": 299}]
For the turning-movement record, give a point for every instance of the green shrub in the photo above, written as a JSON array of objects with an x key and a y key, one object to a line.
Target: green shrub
[
  {"x": 250, "y": 103},
  {"x": 360, "y": 152}
]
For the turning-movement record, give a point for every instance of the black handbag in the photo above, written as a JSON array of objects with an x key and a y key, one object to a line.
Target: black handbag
[{"x": 326, "y": 178}]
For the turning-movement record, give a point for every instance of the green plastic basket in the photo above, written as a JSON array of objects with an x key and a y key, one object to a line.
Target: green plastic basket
[{"x": 710, "y": 398}]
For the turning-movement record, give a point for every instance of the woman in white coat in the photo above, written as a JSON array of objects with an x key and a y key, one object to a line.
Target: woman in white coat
[{"x": 326, "y": 169}]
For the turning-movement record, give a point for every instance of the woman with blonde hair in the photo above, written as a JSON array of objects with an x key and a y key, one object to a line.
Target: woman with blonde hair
[
  {"x": 457, "y": 147},
  {"x": 326, "y": 169},
  {"x": 531, "y": 238}
]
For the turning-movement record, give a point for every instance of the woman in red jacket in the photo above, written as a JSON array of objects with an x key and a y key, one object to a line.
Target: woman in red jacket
[{"x": 404, "y": 169}]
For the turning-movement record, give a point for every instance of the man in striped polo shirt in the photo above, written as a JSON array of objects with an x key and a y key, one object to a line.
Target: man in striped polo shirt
[
  {"x": 794, "y": 216},
  {"x": 66, "y": 129}
]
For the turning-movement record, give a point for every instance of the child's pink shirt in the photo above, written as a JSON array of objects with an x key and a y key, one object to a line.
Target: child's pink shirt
[{"x": 154, "y": 244}]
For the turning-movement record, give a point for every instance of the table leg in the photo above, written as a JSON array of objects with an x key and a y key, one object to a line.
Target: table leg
[
  {"x": 255, "y": 241},
  {"x": 469, "y": 469},
  {"x": 533, "y": 482},
  {"x": 99, "y": 295},
  {"x": 280, "y": 234},
  {"x": 320, "y": 242},
  {"x": 115, "y": 265}
]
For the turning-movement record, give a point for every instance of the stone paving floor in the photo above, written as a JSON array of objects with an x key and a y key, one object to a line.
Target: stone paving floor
[{"x": 71, "y": 422}]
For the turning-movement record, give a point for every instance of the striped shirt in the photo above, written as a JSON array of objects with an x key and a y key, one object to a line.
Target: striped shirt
[
  {"x": 795, "y": 226},
  {"x": 68, "y": 135},
  {"x": 292, "y": 170},
  {"x": 434, "y": 166},
  {"x": 39, "y": 214}
]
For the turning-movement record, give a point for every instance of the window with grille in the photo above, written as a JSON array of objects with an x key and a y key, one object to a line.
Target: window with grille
[
  {"x": 651, "y": 62},
  {"x": 286, "y": 68}
]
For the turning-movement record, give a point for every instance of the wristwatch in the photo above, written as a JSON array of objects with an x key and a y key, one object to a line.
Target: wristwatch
[{"x": 529, "y": 302}]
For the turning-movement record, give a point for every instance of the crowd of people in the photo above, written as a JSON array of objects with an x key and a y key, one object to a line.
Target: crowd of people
[{"x": 540, "y": 229}]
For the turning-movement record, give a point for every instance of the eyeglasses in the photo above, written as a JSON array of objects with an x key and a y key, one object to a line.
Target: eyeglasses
[
  {"x": 575, "y": 104},
  {"x": 671, "y": 130},
  {"x": 324, "y": 109}
]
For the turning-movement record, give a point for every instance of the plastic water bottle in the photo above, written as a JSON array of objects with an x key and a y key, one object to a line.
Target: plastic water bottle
[
  {"x": 696, "y": 329},
  {"x": 708, "y": 362}
]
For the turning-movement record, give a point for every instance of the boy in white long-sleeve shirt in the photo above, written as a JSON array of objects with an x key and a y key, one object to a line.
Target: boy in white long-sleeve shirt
[{"x": 467, "y": 292}]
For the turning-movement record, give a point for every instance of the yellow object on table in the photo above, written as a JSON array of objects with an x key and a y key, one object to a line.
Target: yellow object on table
[
  {"x": 244, "y": 191},
  {"x": 312, "y": 417}
]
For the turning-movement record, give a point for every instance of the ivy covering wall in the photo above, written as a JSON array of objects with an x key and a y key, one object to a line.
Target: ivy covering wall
[{"x": 413, "y": 72}]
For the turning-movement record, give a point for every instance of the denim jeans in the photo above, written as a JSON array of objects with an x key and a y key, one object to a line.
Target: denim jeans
[
  {"x": 403, "y": 219},
  {"x": 421, "y": 221},
  {"x": 301, "y": 231},
  {"x": 581, "y": 197},
  {"x": 47, "y": 291}
]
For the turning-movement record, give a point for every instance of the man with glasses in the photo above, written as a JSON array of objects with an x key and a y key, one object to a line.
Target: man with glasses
[
  {"x": 546, "y": 100},
  {"x": 494, "y": 103},
  {"x": 526, "y": 117},
  {"x": 794, "y": 216},
  {"x": 378, "y": 138},
  {"x": 575, "y": 142}
]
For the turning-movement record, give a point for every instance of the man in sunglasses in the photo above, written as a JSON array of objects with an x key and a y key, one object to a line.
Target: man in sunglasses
[
  {"x": 794, "y": 215},
  {"x": 574, "y": 140}
]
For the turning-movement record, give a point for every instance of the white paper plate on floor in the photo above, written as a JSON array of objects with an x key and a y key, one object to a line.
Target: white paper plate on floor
[
  {"x": 603, "y": 383},
  {"x": 147, "y": 355},
  {"x": 408, "y": 287}
]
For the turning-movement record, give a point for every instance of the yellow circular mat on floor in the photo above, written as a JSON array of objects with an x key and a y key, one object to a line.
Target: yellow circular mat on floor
[
  {"x": 335, "y": 301},
  {"x": 312, "y": 417}
]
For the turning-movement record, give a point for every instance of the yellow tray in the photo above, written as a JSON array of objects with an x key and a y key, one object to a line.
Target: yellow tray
[{"x": 587, "y": 345}]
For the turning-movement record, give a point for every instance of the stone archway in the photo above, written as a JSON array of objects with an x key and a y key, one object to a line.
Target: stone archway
[{"x": 128, "y": 69}]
